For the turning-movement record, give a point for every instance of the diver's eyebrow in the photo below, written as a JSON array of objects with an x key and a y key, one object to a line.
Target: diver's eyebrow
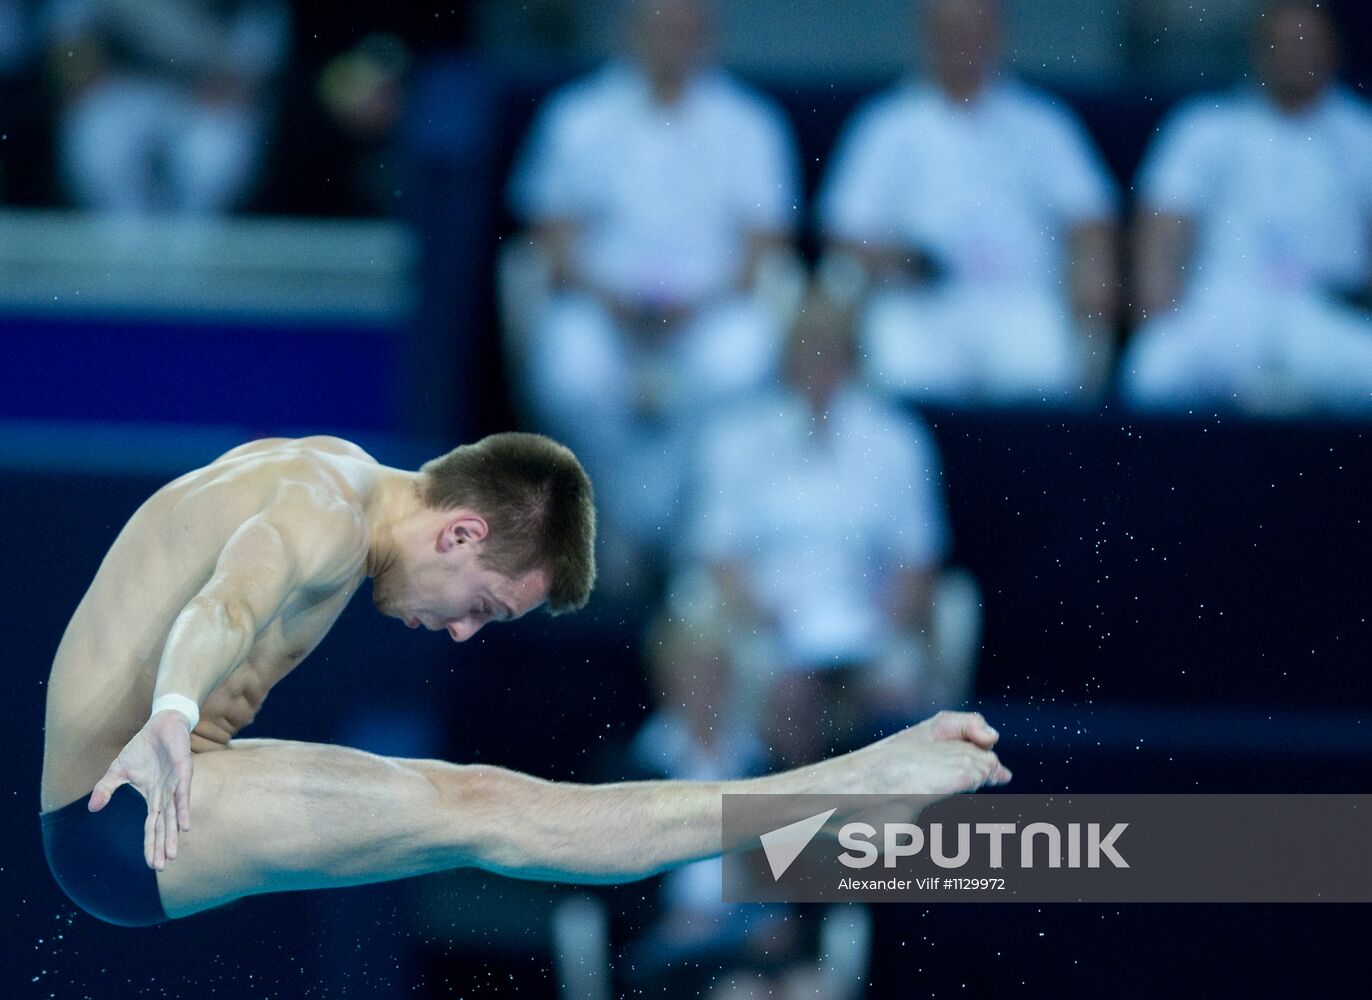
[{"x": 507, "y": 612}]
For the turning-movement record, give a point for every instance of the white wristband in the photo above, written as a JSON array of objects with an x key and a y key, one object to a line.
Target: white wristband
[{"x": 182, "y": 704}]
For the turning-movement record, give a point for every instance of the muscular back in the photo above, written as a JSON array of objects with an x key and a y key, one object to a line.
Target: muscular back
[{"x": 101, "y": 687}]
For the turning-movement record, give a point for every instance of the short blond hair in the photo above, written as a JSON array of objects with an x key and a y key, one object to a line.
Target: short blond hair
[{"x": 537, "y": 502}]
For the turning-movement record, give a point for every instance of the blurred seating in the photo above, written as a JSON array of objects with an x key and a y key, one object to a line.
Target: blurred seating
[
  {"x": 655, "y": 190},
  {"x": 166, "y": 101},
  {"x": 247, "y": 322},
  {"x": 984, "y": 220},
  {"x": 1254, "y": 238},
  {"x": 80, "y": 263}
]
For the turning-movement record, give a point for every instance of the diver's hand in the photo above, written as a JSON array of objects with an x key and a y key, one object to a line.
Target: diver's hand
[{"x": 157, "y": 762}]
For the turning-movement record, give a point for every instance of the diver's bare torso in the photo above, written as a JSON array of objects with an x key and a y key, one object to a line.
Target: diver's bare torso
[{"x": 101, "y": 687}]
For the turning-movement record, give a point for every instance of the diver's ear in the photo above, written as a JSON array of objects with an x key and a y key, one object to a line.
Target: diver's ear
[{"x": 462, "y": 528}]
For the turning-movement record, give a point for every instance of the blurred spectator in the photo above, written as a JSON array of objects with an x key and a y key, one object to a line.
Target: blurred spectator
[
  {"x": 167, "y": 100},
  {"x": 694, "y": 734},
  {"x": 821, "y": 530},
  {"x": 986, "y": 220},
  {"x": 700, "y": 732},
  {"x": 413, "y": 129},
  {"x": 363, "y": 92},
  {"x": 1253, "y": 238},
  {"x": 656, "y": 191}
]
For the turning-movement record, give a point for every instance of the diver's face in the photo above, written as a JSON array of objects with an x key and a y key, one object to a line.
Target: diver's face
[{"x": 439, "y": 582}]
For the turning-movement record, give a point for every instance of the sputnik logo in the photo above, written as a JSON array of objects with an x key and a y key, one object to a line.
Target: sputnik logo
[{"x": 784, "y": 844}]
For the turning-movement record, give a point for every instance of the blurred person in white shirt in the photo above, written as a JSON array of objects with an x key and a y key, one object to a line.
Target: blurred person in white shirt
[
  {"x": 167, "y": 101},
  {"x": 980, "y": 216},
  {"x": 656, "y": 188},
  {"x": 1253, "y": 260},
  {"x": 820, "y": 529}
]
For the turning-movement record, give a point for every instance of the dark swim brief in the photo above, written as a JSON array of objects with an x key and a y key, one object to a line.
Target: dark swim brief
[{"x": 97, "y": 859}]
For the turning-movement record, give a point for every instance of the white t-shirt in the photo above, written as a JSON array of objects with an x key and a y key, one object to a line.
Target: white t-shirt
[
  {"x": 1280, "y": 201},
  {"x": 668, "y": 195},
  {"x": 820, "y": 523},
  {"x": 988, "y": 187}
]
